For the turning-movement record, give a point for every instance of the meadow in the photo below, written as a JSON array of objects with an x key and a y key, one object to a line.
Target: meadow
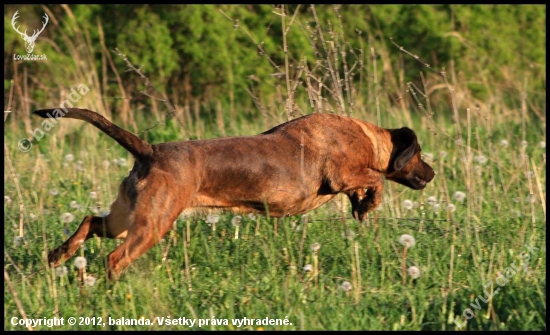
[{"x": 466, "y": 253}]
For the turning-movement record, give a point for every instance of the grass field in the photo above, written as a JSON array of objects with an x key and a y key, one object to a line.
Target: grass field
[
  {"x": 463, "y": 241},
  {"x": 478, "y": 260}
]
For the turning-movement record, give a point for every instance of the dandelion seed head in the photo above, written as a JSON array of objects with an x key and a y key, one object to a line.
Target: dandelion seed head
[
  {"x": 212, "y": 218},
  {"x": 542, "y": 144},
  {"x": 18, "y": 240},
  {"x": 252, "y": 216},
  {"x": 414, "y": 272},
  {"x": 90, "y": 280},
  {"x": 523, "y": 144},
  {"x": 74, "y": 204},
  {"x": 428, "y": 157},
  {"x": 304, "y": 219},
  {"x": 80, "y": 262},
  {"x": 443, "y": 154},
  {"x": 54, "y": 191},
  {"x": 478, "y": 170},
  {"x": 80, "y": 166},
  {"x": 451, "y": 208},
  {"x": 459, "y": 196},
  {"x": 408, "y": 204},
  {"x": 431, "y": 200},
  {"x": 481, "y": 159},
  {"x": 236, "y": 220},
  {"x": 32, "y": 216},
  {"x": 121, "y": 161},
  {"x": 407, "y": 240},
  {"x": 504, "y": 143},
  {"x": 67, "y": 217},
  {"x": 7, "y": 200},
  {"x": 308, "y": 268},
  {"x": 93, "y": 195},
  {"x": 69, "y": 157},
  {"x": 346, "y": 286},
  {"x": 315, "y": 247},
  {"x": 348, "y": 234},
  {"x": 61, "y": 271},
  {"x": 436, "y": 207}
]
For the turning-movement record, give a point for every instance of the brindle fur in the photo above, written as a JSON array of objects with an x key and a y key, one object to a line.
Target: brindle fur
[{"x": 287, "y": 170}]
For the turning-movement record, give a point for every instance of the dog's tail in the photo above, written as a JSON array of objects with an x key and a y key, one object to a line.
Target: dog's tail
[{"x": 136, "y": 146}]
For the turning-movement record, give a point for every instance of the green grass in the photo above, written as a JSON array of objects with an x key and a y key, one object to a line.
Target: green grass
[{"x": 261, "y": 274}]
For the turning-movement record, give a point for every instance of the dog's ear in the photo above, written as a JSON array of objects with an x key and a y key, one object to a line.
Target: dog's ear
[{"x": 404, "y": 147}]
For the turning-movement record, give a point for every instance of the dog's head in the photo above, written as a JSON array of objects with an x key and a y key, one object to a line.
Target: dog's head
[{"x": 405, "y": 166}]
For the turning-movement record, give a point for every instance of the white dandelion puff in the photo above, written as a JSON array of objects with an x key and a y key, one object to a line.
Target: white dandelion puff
[
  {"x": 121, "y": 161},
  {"x": 481, "y": 159},
  {"x": 542, "y": 144},
  {"x": 212, "y": 218},
  {"x": 93, "y": 195},
  {"x": 80, "y": 166},
  {"x": 459, "y": 196},
  {"x": 32, "y": 216},
  {"x": 54, "y": 191},
  {"x": 315, "y": 247},
  {"x": 74, "y": 204},
  {"x": 451, "y": 208},
  {"x": 523, "y": 143},
  {"x": 431, "y": 200},
  {"x": 80, "y": 262},
  {"x": 252, "y": 216},
  {"x": 436, "y": 207},
  {"x": 346, "y": 286},
  {"x": 504, "y": 143},
  {"x": 478, "y": 170},
  {"x": 18, "y": 240},
  {"x": 443, "y": 154},
  {"x": 304, "y": 219},
  {"x": 414, "y": 272},
  {"x": 61, "y": 271},
  {"x": 69, "y": 157},
  {"x": 236, "y": 220},
  {"x": 7, "y": 200},
  {"x": 408, "y": 204},
  {"x": 90, "y": 280},
  {"x": 67, "y": 217},
  {"x": 348, "y": 234},
  {"x": 407, "y": 240},
  {"x": 308, "y": 268}
]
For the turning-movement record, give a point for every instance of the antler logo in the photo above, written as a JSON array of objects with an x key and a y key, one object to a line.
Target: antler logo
[{"x": 29, "y": 40}]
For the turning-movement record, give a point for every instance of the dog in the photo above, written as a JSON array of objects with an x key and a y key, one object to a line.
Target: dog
[{"x": 288, "y": 170}]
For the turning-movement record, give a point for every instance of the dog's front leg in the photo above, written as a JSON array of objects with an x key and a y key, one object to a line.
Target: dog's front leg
[{"x": 363, "y": 202}]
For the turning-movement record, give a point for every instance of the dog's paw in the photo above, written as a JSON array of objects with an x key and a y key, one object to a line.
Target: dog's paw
[{"x": 56, "y": 256}]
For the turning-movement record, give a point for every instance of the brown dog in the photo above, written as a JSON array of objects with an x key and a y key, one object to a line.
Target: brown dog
[{"x": 287, "y": 170}]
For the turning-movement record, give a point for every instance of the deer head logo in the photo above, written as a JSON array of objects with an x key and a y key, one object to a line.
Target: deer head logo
[{"x": 29, "y": 40}]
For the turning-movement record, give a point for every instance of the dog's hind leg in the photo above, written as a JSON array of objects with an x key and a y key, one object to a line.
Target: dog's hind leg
[
  {"x": 153, "y": 216},
  {"x": 90, "y": 226}
]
